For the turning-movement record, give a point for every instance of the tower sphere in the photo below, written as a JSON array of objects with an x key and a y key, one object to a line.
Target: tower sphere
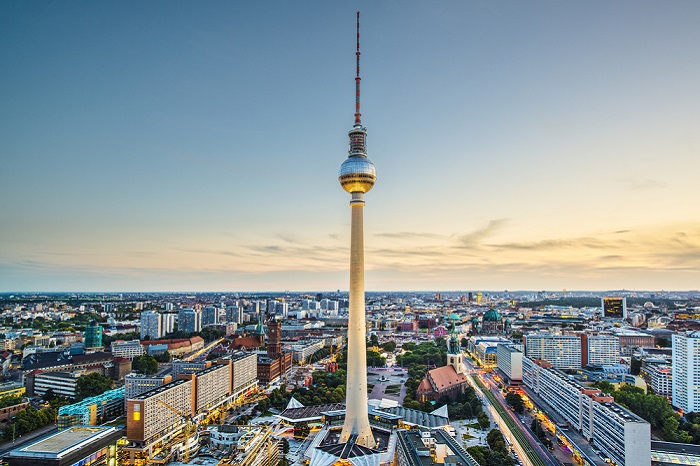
[{"x": 357, "y": 174}]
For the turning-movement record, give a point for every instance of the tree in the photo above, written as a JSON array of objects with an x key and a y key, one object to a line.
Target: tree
[
  {"x": 604, "y": 386},
  {"x": 516, "y": 402},
  {"x": 145, "y": 364},
  {"x": 50, "y": 395},
  {"x": 91, "y": 384},
  {"x": 373, "y": 340},
  {"x": 483, "y": 420},
  {"x": 374, "y": 359},
  {"x": 389, "y": 346},
  {"x": 163, "y": 357}
]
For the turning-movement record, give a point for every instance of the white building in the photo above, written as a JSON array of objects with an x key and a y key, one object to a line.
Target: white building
[
  {"x": 136, "y": 384},
  {"x": 563, "y": 351},
  {"x": 168, "y": 321},
  {"x": 621, "y": 435},
  {"x": 62, "y": 383},
  {"x": 510, "y": 361},
  {"x": 127, "y": 349},
  {"x": 686, "y": 372},
  {"x": 603, "y": 350},
  {"x": 303, "y": 351},
  {"x": 660, "y": 379}
]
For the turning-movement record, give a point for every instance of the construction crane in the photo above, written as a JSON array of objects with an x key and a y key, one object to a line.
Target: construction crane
[
  {"x": 189, "y": 428},
  {"x": 253, "y": 456}
]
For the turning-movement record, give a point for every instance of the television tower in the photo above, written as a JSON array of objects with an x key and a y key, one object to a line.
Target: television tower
[{"x": 357, "y": 176}]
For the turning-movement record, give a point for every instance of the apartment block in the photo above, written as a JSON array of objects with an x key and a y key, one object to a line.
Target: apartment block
[
  {"x": 600, "y": 350},
  {"x": 686, "y": 371},
  {"x": 622, "y": 436},
  {"x": 213, "y": 386},
  {"x": 152, "y": 415},
  {"x": 244, "y": 369},
  {"x": 136, "y": 384},
  {"x": 562, "y": 351}
]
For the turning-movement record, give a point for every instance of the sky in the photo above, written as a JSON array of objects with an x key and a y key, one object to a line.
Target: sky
[{"x": 195, "y": 146}]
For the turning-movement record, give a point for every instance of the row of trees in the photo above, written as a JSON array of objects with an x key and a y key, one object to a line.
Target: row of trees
[
  {"x": 496, "y": 454},
  {"x": 655, "y": 409},
  {"x": 27, "y": 420}
]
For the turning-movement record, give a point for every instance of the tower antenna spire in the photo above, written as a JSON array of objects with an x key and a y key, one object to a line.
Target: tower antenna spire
[{"x": 357, "y": 76}]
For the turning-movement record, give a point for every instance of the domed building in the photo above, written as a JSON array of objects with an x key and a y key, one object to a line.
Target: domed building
[{"x": 491, "y": 323}]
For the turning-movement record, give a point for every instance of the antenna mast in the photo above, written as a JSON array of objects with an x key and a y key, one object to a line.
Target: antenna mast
[{"x": 358, "y": 123}]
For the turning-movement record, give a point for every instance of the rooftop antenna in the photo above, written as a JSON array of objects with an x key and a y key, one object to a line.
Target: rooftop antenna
[{"x": 358, "y": 123}]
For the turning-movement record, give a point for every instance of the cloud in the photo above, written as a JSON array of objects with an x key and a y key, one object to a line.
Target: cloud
[
  {"x": 475, "y": 237},
  {"x": 646, "y": 184}
]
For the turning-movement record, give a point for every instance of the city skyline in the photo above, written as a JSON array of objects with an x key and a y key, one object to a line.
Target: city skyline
[{"x": 541, "y": 146}]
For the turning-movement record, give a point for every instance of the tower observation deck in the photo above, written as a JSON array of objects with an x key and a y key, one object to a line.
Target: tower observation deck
[{"x": 357, "y": 176}]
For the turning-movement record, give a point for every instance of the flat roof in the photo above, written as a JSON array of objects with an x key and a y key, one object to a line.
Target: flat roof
[{"x": 64, "y": 442}]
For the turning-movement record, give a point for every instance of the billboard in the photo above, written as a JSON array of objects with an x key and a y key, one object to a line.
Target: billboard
[{"x": 614, "y": 308}]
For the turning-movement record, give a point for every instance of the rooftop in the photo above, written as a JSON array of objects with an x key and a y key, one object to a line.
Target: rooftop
[{"x": 64, "y": 442}]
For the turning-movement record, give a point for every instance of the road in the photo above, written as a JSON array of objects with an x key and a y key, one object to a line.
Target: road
[
  {"x": 196, "y": 354},
  {"x": 525, "y": 429},
  {"x": 530, "y": 450}
]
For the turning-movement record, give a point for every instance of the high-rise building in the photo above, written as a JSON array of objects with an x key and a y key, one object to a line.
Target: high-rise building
[
  {"x": 562, "y": 351},
  {"x": 614, "y": 307},
  {"x": 93, "y": 335},
  {"x": 189, "y": 320},
  {"x": 686, "y": 372},
  {"x": 168, "y": 320},
  {"x": 234, "y": 313},
  {"x": 357, "y": 176},
  {"x": 210, "y": 315},
  {"x": 600, "y": 350},
  {"x": 151, "y": 325}
]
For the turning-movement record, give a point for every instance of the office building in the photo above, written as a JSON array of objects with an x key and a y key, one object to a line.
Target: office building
[
  {"x": 61, "y": 383},
  {"x": 686, "y": 371},
  {"x": 127, "y": 349},
  {"x": 562, "y": 351},
  {"x": 189, "y": 320},
  {"x": 93, "y": 336},
  {"x": 614, "y": 307},
  {"x": 510, "y": 362},
  {"x": 96, "y": 446},
  {"x": 93, "y": 410},
  {"x": 151, "y": 325}
]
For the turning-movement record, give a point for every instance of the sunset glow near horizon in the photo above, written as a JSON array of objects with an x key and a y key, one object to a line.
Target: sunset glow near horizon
[{"x": 172, "y": 146}]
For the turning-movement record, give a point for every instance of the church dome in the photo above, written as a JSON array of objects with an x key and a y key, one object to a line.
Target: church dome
[{"x": 492, "y": 315}]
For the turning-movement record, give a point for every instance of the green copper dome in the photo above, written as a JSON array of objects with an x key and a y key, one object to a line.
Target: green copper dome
[{"x": 492, "y": 315}]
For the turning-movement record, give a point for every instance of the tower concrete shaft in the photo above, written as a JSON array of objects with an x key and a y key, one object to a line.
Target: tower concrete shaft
[{"x": 356, "y": 413}]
